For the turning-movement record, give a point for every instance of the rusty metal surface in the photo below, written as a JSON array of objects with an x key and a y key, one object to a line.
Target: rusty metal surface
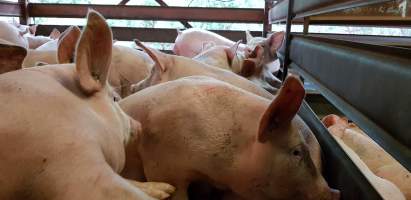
[
  {"x": 9, "y": 9},
  {"x": 149, "y": 12}
]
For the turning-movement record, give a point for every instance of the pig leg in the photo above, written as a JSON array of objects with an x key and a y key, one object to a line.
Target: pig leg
[{"x": 154, "y": 189}]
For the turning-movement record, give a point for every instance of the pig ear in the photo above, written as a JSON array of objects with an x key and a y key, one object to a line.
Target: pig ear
[
  {"x": 248, "y": 68},
  {"x": 11, "y": 57},
  {"x": 179, "y": 32},
  {"x": 55, "y": 33},
  {"x": 67, "y": 44},
  {"x": 157, "y": 56},
  {"x": 276, "y": 41},
  {"x": 232, "y": 51},
  {"x": 93, "y": 56},
  {"x": 283, "y": 108},
  {"x": 33, "y": 29},
  {"x": 248, "y": 35}
]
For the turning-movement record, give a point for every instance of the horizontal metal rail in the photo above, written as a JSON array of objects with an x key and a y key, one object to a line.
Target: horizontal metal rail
[
  {"x": 149, "y": 34},
  {"x": 366, "y": 82},
  {"x": 304, "y": 8},
  {"x": 339, "y": 170},
  {"x": 10, "y": 9},
  {"x": 239, "y": 15}
]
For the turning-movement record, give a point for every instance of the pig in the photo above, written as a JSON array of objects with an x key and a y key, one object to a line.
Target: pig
[
  {"x": 170, "y": 67},
  {"x": 230, "y": 59},
  {"x": 203, "y": 129},
  {"x": 11, "y": 57},
  {"x": 378, "y": 161},
  {"x": 62, "y": 135},
  {"x": 385, "y": 188},
  {"x": 262, "y": 62},
  {"x": 189, "y": 42},
  {"x": 270, "y": 45},
  {"x": 63, "y": 54},
  {"x": 129, "y": 67},
  {"x": 37, "y": 41},
  {"x": 12, "y": 34},
  {"x": 221, "y": 56},
  {"x": 72, "y": 31}
]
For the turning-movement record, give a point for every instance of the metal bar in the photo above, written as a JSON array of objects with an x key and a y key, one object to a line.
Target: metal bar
[
  {"x": 306, "y": 25},
  {"x": 311, "y": 8},
  {"x": 148, "y": 34},
  {"x": 287, "y": 60},
  {"x": 266, "y": 24},
  {"x": 9, "y": 9},
  {"x": 240, "y": 15},
  {"x": 339, "y": 170},
  {"x": 185, "y": 23},
  {"x": 368, "y": 39},
  {"x": 123, "y": 2},
  {"x": 393, "y": 147},
  {"x": 24, "y": 16}
]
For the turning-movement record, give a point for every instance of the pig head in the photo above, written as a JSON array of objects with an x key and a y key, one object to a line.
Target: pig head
[
  {"x": 202, "y": 129},
  {"x": 170, "y": 67}
]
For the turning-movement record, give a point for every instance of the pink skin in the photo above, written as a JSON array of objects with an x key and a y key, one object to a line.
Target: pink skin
[
  {"x": 62, "y": 134},
  {"x": 202, "y": 129},
  {"x": 189, "y": 43},
  {"x": 12, "y": 34},
  {"x": 377, "y": 160},
  {"x": 170, "y": 67}
]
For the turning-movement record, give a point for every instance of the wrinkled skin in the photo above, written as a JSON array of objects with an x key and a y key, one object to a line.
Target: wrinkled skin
[
  {"x": 189, "y": 42},
  {"x": 378, "y": 161},
  {"x": 129, "y": 66},
  {"x": 62, "y": 135},
  {"x": 12, "y": 34},
  {"x": 385, "y": 188},
  {"x": 202, "y": 129},
  {"x": 170, "y": 67}
]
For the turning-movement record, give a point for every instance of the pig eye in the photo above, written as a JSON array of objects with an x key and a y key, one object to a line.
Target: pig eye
[{"x": 297, "y": 152}]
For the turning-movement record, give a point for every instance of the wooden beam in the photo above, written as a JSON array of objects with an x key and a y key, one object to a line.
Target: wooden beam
[
  {"x": 240, "y": 15},
  {"x": 185, "y": 23},
  {"x": 148, "y": 34},
  {"x": 9, "y": 9},
  {"x": 24, "y": 15}
]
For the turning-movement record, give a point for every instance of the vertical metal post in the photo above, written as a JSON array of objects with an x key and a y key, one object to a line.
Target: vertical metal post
[
  {"x": 290, "y": 16},
  {"x": 266, "y": 22},
  {"x": 306, "y": 25},
  {"x": 24, "y": 17}
]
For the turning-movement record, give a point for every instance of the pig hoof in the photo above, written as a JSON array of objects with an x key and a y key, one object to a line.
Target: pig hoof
[{"x": 155, "y": 189}]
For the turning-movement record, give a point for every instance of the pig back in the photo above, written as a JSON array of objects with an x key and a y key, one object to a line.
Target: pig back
[{"x": 192, "y": 125}]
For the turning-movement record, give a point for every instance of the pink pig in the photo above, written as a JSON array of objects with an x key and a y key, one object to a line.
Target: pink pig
[
  {"x": 202, "y": 129},
  {"x": 189, "y": 43}
]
